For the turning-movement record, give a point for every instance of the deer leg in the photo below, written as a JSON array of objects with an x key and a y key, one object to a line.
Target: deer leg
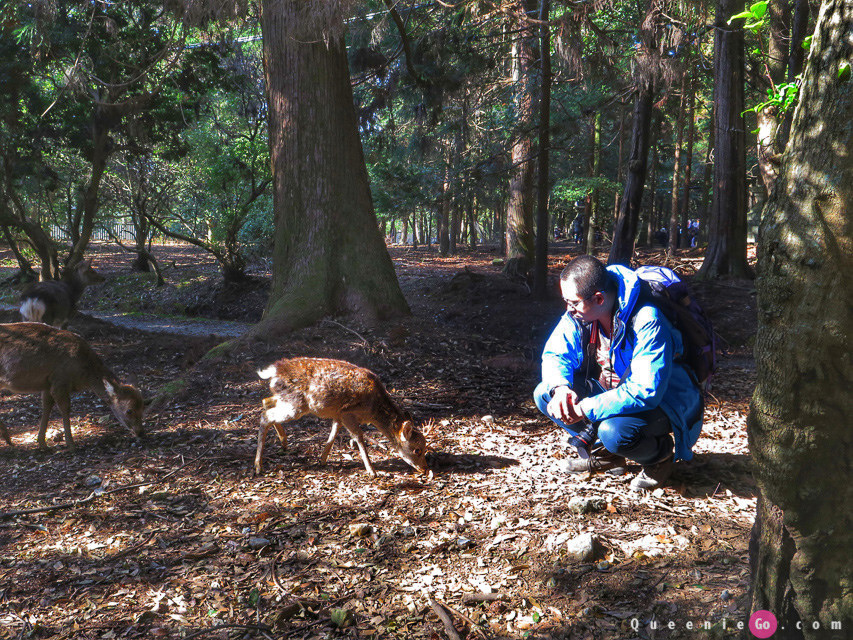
[
  {"x": 259, "y": 454},
  {"x": 63, "y": 401},
  {"x": 330, "y": 441},
  {"x": 281, "y": 433},
  {"x": 277, "y": 410},
  {"x": 4, "y": 433},
  {"x": 46, "y": 408},
  {"x": 351, "y": 425}
]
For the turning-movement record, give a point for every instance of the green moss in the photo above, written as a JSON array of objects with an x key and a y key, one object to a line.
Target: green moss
[
  {"x": 172, "y": 388},
  {"x": 220, "y": 350}
]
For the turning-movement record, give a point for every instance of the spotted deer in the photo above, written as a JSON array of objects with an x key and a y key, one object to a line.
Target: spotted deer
[
  {"x": 38, "y": 358},
  {"x": 346, "y": 394}
]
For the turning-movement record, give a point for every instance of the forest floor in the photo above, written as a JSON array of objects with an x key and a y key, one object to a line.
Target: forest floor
[{"x": 173, "y": 537}]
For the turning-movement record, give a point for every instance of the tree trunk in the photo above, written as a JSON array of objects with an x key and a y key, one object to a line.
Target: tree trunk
[
  {"x": 675, "y": 200},
  {"x": 632, "y": 198},
  {"x": 769, "y": 119},
  {"x": 647, "y": 233},
  {"x": 87, "y": 206},
  {"x": 796, "y": 56},
  {"x": 688, "y": 161},
  {"x": 519, "y": 213},
  {"x": 443, "y": 221},
  {"x": 25, "y": 268},
  {"x": 473, "y": 238},
  {"x": 726, "y": 254},
  {"x": 594, "y": 220},
  {"x": 704, "y": 212},
  {"x": 799, "y": 422},
  {"x": 620, "y": 168},
  {"x": 329, "y": 255},
  {"x": 540, "y": 271}
]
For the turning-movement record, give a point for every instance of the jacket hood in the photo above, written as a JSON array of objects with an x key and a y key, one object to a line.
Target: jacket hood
[{"x": 629, "y": 289}]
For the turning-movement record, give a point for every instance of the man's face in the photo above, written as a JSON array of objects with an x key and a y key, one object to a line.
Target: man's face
[{"x": 582, "y": 309}]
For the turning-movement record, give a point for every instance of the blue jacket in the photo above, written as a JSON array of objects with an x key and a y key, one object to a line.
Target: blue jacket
[{"x": 646, "y": 351}]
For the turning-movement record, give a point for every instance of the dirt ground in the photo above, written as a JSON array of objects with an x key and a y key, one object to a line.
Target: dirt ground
[{"x": 173, "y": 537}]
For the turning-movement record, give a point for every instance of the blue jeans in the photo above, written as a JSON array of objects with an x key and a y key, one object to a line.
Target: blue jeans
[{"x": 642, "y": 437}]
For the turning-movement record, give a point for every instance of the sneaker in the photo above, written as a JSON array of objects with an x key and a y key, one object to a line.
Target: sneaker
[
  {"x": 599, "y": 461},
  {"x": 653, "y": 476}
]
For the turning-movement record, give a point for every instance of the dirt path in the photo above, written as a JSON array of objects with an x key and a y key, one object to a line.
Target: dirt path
[
  {"x": 177, "y": 326},
  {"x": 172, "y": 325}
]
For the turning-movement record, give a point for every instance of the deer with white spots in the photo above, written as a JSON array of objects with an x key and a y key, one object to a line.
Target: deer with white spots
[{"x": 346, "y": 394}]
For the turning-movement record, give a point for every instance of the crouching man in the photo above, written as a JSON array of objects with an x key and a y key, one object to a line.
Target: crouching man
[{"x": 611, "y": 377}]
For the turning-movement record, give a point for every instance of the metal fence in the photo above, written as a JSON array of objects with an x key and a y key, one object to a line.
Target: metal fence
[{"x": 124, "y": 231}]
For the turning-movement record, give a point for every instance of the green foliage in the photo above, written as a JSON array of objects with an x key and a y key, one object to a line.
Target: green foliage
[
  {"x": 756, "y": 14},
  {"x": 570, "y": 190},
  {"x": 781, "y": 98}
]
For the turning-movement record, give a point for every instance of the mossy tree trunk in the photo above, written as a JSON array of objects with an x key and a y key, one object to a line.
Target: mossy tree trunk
[
  {"x": 329, "y": 255},
  {"x": 799, "y": 424}
]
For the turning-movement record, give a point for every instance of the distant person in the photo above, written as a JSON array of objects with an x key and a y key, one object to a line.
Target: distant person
[
  {"x": 693, "y": 231},
  {"x": 577, "y": 230},
  {"x": 630, "y": 397}
]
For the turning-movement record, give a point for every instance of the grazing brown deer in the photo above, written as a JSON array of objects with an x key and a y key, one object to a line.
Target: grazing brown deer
[
  {"x": 346, "y": 394},
  {"x": 38, "y": 358},
  {"x": 54, "y": 301}
]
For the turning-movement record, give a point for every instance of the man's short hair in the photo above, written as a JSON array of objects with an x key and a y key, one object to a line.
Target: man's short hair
[{"x": 589, "y": 275}]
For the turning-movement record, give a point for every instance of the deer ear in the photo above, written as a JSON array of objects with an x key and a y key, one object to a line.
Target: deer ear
[
  {"x": 406, "y": 431},
  {"x": 111, "y": 392}
]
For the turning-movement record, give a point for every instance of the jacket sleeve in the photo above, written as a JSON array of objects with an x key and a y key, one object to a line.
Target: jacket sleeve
[
  {"x": 647, "y": 373},
  {"x": 562, "y": 355}
]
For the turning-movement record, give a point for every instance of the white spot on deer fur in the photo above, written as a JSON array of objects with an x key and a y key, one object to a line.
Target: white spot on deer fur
[
  {"x": 269, "y": 372},
  {"x": 281, "y": 412},
  {"x": 32, "y": 310}
]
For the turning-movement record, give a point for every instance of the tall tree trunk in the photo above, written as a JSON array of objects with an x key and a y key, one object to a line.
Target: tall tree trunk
[
  {"x": 473, "y": 236},
  {"x": 87, "y": 206},
  {"x": 704, "y": 212},
  {"x": 647, "y": 233},
  {"x": 632, "y": 198},
  {"x": 796, "y": 56},
  {"x": 799, "y": 421},
  {"x": 769, "y": 119},
  {"x": 675, "y": 200},
  {"x": 329, "y": 255},
  {"x": 443, "y": 220},
  {"x": 620, "y": 167},
  {"x": 593, "y": 217},
  {"x": 519, "y": 213},
  {"x": 726, "y": 254},
  {"x": 688, "y": 160},
  {"x": 540, "y": 271}
]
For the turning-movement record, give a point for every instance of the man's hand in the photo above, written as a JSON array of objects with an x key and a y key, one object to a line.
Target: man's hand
[{"x": 565, "y": 406}]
